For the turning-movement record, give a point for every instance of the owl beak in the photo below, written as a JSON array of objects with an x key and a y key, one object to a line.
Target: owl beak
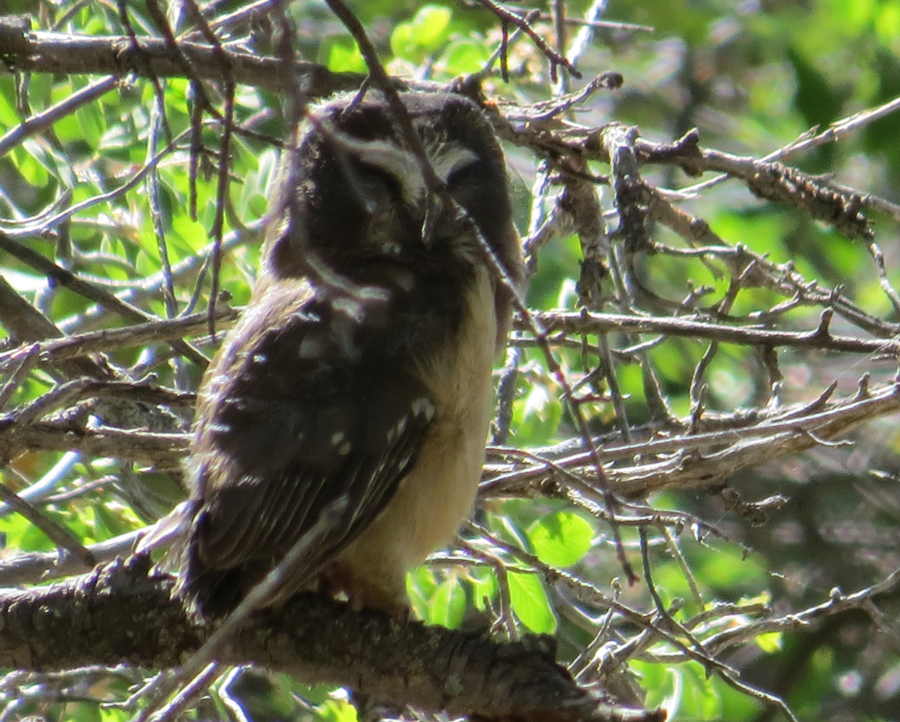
[
  {"x": 440, "y": 221},
  {"x": 420, "y": 202},
  {"x": 431, "y": 213}
]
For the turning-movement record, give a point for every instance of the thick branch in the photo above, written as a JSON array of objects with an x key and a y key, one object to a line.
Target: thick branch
[
  {"x": 772, "y": 181},
  {"x": 122, "y": 613},
  {"x": 59, "y": 53},
  {"x": 162, "y": 449}
]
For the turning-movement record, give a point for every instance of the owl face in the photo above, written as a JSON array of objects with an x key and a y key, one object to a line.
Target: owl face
[{"x": 360, "y": 195}]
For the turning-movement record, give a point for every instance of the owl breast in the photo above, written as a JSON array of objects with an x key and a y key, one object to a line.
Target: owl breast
[{"x": 414, "y": 524}]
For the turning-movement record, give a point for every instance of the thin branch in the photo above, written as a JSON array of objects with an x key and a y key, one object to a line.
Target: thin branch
[
  {"x": 142, "y": 334},
  {"x": 64, "y": 277},
  {"x": 59, "y": 535},
  {"x": 592, "y": 322},
  {"x": 39, "y": 122},
  {"x": 511, "y": 18}
]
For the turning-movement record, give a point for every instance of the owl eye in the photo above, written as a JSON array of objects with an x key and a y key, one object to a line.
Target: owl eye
[
  {"x": 376, "y": 178},
  {"x": 374, "y": 186},
  {"x": 465, "y": 176}
]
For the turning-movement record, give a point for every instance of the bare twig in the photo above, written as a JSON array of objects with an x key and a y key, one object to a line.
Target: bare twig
[
  {"x": 59, "y": 535},
  {"x": 66, "y": 278}
]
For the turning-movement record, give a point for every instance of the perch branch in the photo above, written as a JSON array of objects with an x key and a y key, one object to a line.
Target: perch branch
[{"x": 122, "y": 613}]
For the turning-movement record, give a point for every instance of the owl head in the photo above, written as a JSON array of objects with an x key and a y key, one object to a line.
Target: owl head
[{"x": 357, "y": 195}]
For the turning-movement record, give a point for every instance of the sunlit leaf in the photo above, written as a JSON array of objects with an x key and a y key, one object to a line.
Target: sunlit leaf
[
  {"x": 464, "y": 56},
  {"x": 113, "y": 714},
  {"x": 771, "y": 642},
  {"x": 423, "y": 35},
  {"x": 530, "y": 604},
  {"x": 420, "y": 587},
  {"x": 561, "y": 539},
  {"x": 344, "y": 57},
  {"x": 484, "y": 587},
  {"x": 447, "y": 605},
  {"x": 537, "y": 415},
  {"x": 337, "y": 710}
]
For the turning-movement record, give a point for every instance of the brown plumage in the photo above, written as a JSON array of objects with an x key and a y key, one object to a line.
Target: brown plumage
[{"x": 354, "y": 394}]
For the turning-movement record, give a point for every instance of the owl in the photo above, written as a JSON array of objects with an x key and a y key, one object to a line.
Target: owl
[{"x": 349, "y": 407}]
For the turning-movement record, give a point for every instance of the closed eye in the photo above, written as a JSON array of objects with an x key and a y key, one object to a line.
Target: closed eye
[
  {"x": 374, "y": 176},
  {"x": 372, "y": 185},
  {"x": 464, "y": 176},
  {"x": 453, "y": 163}
]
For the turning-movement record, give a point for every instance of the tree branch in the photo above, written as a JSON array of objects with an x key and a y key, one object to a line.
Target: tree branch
[
  {"x": 123, "y": 612},
  {"x": 43, "y": 52}
]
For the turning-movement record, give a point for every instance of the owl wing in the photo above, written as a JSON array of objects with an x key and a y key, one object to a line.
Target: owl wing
[{"x": 307, "y": 421}]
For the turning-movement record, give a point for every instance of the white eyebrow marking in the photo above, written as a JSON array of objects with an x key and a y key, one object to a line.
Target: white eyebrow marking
[
  {"x": 456, "y": 158},
  {"x": 445, "y": 159},
  {"x": 398, "y": 163}
]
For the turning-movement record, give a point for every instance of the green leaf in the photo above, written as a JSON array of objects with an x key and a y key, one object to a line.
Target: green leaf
[
  {"x": 423, "y": 35},
  {"x": 724, "y": 571},
  {"x": 816, "y": 97},
  {"x": 112, "y": 519},
  {"x": 504, "y": 526},
  {"x": 420, "y": 587},
  {"x": 34, "y": 540},
  {"x": 113, "y": 714},
  {"x": 700, "y": 694},
  {"x": 16, "y": 532},
  {"x": 561, "y": 539},
  {"x": 343, "y": 56},
  {"x": 432, "y": 25},
  {"x": 887, "y": 23},
  {"x": 537, "y": 416},
  {"x": 529, "y": 602},
  {"x": 854, "y": 16},
  {"x": 484, "y": 587},
  {"x": 465, "y": 56},
  {"x": 9, "y": 118},
  {"x": 402, "y": 43},
  {"x": 771, "y": 642},
  {"x": 657, "y": 680},
  {"x": 261, "y": 695},
  {"x": 448, "y": 604},
  {"x": 91, "y": 123},
  {"x": 337, "y": 710},
  {"x": 26, "y": 159},
  {"x": 685, "y": 691}
]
